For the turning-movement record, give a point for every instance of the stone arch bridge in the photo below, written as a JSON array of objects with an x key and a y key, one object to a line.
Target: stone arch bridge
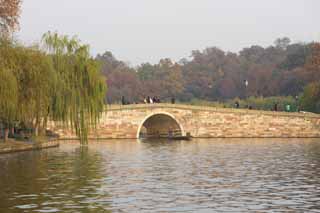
[{"x": 163, "y": 120}]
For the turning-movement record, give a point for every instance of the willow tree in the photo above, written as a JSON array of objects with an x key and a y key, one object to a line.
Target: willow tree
[
  {"x": 8, "y": 88},
  {"x": 37, "y": 79},
  {"x": 8, "y": 99},
  {"x": 33, "y": 71},
  {"x": 80, "y": 91}
]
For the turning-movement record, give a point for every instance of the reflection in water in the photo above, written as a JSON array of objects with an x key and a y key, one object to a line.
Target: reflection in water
[
  {"x": 220, "y": 175},
  {"x": 64, "y": 179}
]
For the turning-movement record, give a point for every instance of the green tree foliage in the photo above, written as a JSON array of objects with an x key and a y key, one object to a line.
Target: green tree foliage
[
  {"x": 37, "y": 80},
  {"x": 8, "y": 99},
  {"x": 80, "y": 90},
  {"x": 64, "y": 84},
  {"x": 310, "y": 100},
  {"x": 165, "y": 81},
  {"x": 34, "y": 73}
]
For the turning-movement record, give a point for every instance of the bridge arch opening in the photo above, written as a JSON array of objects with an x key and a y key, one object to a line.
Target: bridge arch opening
[{"x": 160, "y": 125}]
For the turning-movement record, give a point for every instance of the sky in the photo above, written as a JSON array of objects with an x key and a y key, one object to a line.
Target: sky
[{"x": 139, "y": 31}]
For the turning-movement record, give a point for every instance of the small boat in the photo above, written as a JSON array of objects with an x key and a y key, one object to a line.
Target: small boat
[{"x": 186, "y": 138}]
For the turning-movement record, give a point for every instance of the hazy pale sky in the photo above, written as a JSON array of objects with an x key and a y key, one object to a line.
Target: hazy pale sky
[{"x": 139, "y": 31}]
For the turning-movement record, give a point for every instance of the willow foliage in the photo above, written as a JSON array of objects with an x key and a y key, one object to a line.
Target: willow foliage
[
  {"x": 8, "y": 97},
  {"x": 33, "y": 73},
  {"x": 80, "y": 89},
  {"x": 9, "y": 91},
  {"x": 37, "y": 74}
]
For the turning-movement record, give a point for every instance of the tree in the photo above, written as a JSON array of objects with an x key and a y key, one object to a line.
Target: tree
[
  {"x": 313, "y": 61},
  {"x": 9, "y": 91},
  {"x": 296, "y": 56},
  {"x": 8, "y": 99},
  {"x": 121, "y": 79},
  {"x": 146, "y": 71},
  {"x": 37, "y": 80},
  {"x": 79, "y": 95},
  {"x": 123, "y": 82},
  {"x": 171, "y": 80},
  {"x": 310, "y": 100},
  {"x": 163, "y": 79},
  {"x": 9, "y": 15},
  {"x": 33, "y": 71},
  {"x": 212, "y": 74},
  {"x": 282, "y": 43}
]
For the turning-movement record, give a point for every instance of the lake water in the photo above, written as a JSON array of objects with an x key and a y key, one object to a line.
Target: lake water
[{"x": 207, "y": 175}]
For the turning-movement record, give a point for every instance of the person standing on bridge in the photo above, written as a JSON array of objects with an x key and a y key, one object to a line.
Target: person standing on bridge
[
  {"x": 237, "y": 105},
  {"x": 288, "y": 108}
]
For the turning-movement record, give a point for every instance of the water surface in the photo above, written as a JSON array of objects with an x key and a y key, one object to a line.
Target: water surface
[{"x": 207, "y": 175}]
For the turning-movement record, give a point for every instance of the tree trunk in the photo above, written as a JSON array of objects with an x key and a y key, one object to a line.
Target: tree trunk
[
  {"x": 36, "y": 130},
  {"x": 36, "y": 127},
  {"x": 12, "y": 131},
  {"x": 6, "y": 134},
  {"x": 44, "y": 126}
]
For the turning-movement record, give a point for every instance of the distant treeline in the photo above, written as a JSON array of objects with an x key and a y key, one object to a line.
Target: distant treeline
[{"x": 282, "y": 69}]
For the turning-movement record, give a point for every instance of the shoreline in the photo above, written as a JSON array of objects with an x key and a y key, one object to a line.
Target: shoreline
[{"x": 13, "y": 146}]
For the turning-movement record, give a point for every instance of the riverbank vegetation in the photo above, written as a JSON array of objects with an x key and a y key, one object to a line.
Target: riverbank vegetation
[{"x": 60, "y": 82}]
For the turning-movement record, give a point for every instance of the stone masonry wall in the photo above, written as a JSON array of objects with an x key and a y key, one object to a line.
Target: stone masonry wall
[{"x": 124, "y": 122}]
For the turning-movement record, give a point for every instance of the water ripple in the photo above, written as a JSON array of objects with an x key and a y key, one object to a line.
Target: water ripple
[{"x": 216, "y": 175}]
